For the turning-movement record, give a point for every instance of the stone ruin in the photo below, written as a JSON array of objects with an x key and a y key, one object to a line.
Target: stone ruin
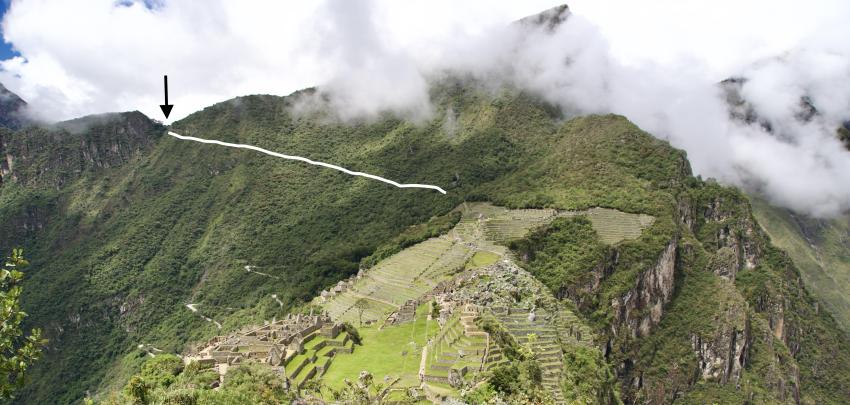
[
  {"x": 273, "y": 343},
  {"x": 340, "y": 287},
  {"x": 405, "y": 313}
]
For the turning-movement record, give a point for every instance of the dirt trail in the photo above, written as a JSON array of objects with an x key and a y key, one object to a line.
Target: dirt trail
[
  {"x": 192, "y": 307},
  {"x": 248, "y": 269}
]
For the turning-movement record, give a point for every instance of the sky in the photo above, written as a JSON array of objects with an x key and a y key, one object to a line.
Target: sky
[
  {"x": 6, "y": 51},
  {"x": 656, "y": 62}
]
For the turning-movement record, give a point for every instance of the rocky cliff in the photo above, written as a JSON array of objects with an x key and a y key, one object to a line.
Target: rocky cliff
[
  {"x": 129, "y": 226},
  {"x": 718, "y": 313},
  {"x": 61, "y": 152}
]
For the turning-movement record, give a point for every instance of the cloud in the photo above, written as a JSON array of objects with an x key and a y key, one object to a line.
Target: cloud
[
  {"x": 658, "y": 63},
  {"x": 101, "y": 55}
]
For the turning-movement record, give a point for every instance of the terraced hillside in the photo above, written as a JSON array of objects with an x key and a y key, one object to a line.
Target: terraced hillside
[
  {"x": 408, "y": 275},
  {"x": 616, "y": 226},
  {"x": 396, "y": 280},
  {"x": 542, "y": 337},
  {"x": 318, "y": 355},
  {"x": 459, "y": 348},
  {"x": 442, "y": 273},
  {"x": 122, "y": 239}
]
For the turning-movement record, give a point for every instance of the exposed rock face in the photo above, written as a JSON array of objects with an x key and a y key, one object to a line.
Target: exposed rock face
[
  {"x": 722, "y": 356},
  {"x": 844, "y": 134},
  {"x": 736, "y": 246},
  {"x": 639, "y": 310},
  {"x": 581, "y": 294},
  {"x": 41, "y": 158},
  {"x": 4, "y": 165},
  {"x": 75, "y": 146}
]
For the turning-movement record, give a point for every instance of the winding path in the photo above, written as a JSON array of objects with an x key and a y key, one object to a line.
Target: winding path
[
  {"x": 305, "y": 160},
  {"x": 248, "y": 269},
  {"x": 192, "y": 307}
]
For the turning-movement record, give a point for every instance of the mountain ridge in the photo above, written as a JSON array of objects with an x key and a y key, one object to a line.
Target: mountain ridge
[{"x": 119, "y": 250}]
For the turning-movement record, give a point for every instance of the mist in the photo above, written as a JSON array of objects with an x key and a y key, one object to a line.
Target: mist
[
  {"x": 793, "y": 162},
  {"x": 661, "y": 65}
]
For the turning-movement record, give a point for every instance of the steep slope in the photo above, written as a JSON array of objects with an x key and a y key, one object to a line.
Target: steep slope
[
  {"x": 698, "y": 305},
  {"x": 11, "y": 110},
  {"x": 118, "y": 252},
  {"x": 821, "y": 250}
]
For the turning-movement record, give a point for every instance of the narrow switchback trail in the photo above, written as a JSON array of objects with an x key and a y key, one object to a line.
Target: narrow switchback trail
[{"x": 193, "y": 308}]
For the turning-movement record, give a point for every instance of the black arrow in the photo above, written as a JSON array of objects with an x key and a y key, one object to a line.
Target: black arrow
[{"x": 166, "y": 108}]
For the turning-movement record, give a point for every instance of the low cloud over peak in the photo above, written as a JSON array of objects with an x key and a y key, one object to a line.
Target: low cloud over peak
[{"x": 659, "y": 64}]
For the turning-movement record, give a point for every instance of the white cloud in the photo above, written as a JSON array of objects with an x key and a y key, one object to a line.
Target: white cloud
[
  {"x": 98, "y": 55},
  {"x": 656, "y": 62}
]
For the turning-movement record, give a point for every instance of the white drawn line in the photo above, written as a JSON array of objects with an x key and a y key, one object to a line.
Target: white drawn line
[{"x": 305, "y": 160}]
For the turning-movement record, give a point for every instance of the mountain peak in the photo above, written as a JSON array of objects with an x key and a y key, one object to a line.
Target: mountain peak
[
  {"x": 548, "y": 19},
  {"x": 11, "y": 109}
]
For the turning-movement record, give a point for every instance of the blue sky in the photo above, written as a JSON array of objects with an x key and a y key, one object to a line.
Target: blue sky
[{"x": 5, "y": 49}]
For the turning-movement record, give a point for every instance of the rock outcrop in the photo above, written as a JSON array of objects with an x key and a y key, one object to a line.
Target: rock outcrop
[
  {"x": 723, "y": 355},
  {"x": 640, "y": 309},
  {"x": 60, "y": 153}
]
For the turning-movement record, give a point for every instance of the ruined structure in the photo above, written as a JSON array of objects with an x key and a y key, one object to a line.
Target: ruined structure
[{"x": 299, "y": 337}]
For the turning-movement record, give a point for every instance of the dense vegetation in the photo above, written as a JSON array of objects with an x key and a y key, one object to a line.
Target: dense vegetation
[
  {"x": 18, "y": 349},
  {"x": 562, "y": 253},
  {"x": 125, "y": 239},
  {"x": 821, "y": 250}
]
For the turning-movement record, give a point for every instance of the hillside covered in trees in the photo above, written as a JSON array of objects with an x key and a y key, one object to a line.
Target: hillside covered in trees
[{"x": 139, "y": 240}]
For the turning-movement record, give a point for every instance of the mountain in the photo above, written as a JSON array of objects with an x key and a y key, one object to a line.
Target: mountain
[
  {"x": 742, "y": 110},
  {"x": 11, "y": 109},
  {"x": 821, "y": 250},
  {"x": 818, "y": 246},
  {"x": 650, "y": 284}
]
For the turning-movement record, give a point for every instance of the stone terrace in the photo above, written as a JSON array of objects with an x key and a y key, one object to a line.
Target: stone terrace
[{"x": 301, "y": 346}]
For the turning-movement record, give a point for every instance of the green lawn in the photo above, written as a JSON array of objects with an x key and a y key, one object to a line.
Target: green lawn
[
  {"x": 293, "y": 364},
  {"x": 381, "y": 353},
  {"x": 481, "y": 259},
  {"x": 311, "y": 345}
]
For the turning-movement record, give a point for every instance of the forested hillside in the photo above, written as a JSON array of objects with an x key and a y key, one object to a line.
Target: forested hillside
[
  {"x": 821, "y": 250},
  {"x": 125, "y": 226}
]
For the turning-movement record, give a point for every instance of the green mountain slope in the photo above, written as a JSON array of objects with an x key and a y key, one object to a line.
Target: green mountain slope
[
  {"x": 126, "y": 227},
  {"x": 819, "y": 248}
]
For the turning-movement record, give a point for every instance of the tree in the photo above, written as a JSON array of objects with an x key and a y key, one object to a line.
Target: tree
[
  {"x": 364, "y": 391},
  {"x": 17, "y": 351},
  {"x": 137, "y": 390},
  {"x": 361, "y": 305}
]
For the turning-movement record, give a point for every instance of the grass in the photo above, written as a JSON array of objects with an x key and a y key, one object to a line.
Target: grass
[
  {"x": 296, "y": 361},
  {"x": 381, "y": 353},
  {"x": 482, "y": 259},
  {"x": 615, "y": 226},
  {"x": 119, "y": 248}
]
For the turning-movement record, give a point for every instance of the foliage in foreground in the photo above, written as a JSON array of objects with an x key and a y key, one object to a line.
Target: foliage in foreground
[
  {"x": 123, "y": 244},
  {"x": 164, "y": 380},
  {"x": 18, "y": 351}
]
